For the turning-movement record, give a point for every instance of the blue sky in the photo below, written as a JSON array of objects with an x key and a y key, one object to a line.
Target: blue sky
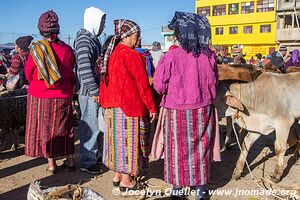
[{"x": 21, "y": 16}]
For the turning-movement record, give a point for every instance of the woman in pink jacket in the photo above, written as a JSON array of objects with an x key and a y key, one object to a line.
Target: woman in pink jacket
[
  {"x": 187, "y": 78},
  {"x": 49, "y": 70}
]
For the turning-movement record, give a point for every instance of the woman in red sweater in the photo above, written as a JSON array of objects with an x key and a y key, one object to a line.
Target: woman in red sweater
[
  {"x": 127, "y": 97},
  {"x": 49, "y": 70}
]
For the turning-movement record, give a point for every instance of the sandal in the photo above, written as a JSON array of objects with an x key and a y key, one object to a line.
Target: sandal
[
  {"x": 67, "y": 167},
  {"x": 116, "y": 183},
  {"x": 51, "y": 171},
  {"x": 137, "y": 186}
]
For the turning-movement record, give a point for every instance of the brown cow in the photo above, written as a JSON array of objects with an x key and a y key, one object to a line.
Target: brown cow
[
  {"x": 293, "y": 69},
  {"x": 238, "y": 72}
]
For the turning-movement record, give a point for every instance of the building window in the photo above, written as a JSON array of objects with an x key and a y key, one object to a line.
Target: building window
[
  {"x": 219, "y": 31},
  {"x": 233, "y": 30},
  {"x": 219, "y": 10},
  {"x": 204, "y": 11},
  {"x": 265, "y": 28},
  {"x": 265, "y": 5},
  {"x": 248, "y": 7},
  {"x": 233, "y": 9},
  {"x": 247, "y": 29}
]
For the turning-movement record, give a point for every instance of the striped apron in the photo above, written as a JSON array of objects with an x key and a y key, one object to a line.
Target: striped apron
[
  {"x": 49, "y": 127},
  {"x": 188, "y": 142},
  {"x": 126, "y": 142}
]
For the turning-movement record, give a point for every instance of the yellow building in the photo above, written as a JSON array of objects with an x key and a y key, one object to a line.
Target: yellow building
[{"x": 248, "y": 22}]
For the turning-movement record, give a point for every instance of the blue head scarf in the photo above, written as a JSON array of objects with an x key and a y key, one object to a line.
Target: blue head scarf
[{"x": 194, "y": 32}]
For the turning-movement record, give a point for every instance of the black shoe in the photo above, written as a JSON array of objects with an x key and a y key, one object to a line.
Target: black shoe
[
  {"x": 67, "y": 167},
  {"x": 204, "y": 197},
  {"x": 116, "y": 184},
  {"x": 95, "y": 169}
]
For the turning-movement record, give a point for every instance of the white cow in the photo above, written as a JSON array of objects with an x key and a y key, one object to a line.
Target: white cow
[{"x": 271, "y": 103}]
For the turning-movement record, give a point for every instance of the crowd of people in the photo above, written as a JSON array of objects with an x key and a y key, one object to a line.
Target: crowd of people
[
  {"x": 280, "y": 59},
  {"x": 122, "y": 89},
  {"x": 12, "y": 74}
]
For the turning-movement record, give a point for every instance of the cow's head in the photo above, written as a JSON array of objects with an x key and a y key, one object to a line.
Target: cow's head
[{"x": 225, "y": 102}]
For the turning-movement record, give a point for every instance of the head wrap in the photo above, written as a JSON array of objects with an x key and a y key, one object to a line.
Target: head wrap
[
  {"x": 24, "y": 42},
  {"x": 194, "y": 32},
  {"x": 156, "y": 46},
  {"x": 295, "y": 56},
  {"x": 48, "y": 23},
  {"x": 123, "y": 28}
]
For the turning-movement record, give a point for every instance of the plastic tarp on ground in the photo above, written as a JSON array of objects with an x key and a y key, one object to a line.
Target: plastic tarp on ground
[{"x": 68, "y": 192}]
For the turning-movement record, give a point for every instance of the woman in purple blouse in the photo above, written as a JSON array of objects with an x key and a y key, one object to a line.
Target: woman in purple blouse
[{"x": 186, "y": 77}]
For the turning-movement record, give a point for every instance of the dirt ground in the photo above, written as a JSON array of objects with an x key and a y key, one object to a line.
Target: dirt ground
[{"x": 18, "y": 171}]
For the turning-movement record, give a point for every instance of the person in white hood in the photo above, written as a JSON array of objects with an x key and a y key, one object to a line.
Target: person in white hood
[
  {"x": 94, "y": 20},
  {"x": 87, "y": 49}
]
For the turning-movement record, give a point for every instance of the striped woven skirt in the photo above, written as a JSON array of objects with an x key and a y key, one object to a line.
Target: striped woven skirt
[
  {"x": 126, "y": 142},
  {"x": 49, "y": 127},
  {"x": 188, "y": 141}
]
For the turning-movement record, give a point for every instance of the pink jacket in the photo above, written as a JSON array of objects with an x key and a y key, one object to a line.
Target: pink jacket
[
  {"x": 63, "y": 88},
  {"x": 186, "y": 82}
]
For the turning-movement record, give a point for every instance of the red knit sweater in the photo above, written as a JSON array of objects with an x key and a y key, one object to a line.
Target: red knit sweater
[
  {"x": 127, "y": 85},
  {"x": 63, "y": 88}
]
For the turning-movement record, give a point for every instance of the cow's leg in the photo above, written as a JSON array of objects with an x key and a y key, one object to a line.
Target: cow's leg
[
  {"x": 297, "y": 152},
  {"x": 228, "y": 134},
  {"x": 247, "y": 144},
  {"x": 294, "y": 140},
  {"x": 280, "y": 149}
]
